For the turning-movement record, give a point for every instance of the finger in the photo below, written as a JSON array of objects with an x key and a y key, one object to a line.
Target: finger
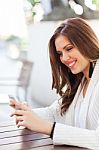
[
  {"x": 18, "y": 105},
  {"x": 18, "y": 118},
  {"x": 15, "y": 104},
  {"x": 25, "y": 103},
  {"x": 20, "y": 123},
  {"x": 12, "y": 103},
  {"x": 17, "y": 113},
  {"x": 24, "y": 106}
]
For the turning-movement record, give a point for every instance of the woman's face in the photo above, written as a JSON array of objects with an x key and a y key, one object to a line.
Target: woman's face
[{"x": 71, "y": 56}]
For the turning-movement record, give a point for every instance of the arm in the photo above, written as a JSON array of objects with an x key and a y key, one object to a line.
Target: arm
[
  {"x": 51, "y": 113},
  {"x": 63, "y": 134},
  {"x": 32, "y": 121},
  {"x": 68, "y": 135}
]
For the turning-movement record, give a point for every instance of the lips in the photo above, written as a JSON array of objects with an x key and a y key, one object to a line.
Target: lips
[{"x": 71, "y": 64}]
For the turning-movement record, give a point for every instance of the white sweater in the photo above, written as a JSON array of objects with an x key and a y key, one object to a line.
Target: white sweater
[{"x": 85, "y": 133}]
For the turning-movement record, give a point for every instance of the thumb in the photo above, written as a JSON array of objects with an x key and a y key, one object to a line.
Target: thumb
[{"x": 12, "y": 103}]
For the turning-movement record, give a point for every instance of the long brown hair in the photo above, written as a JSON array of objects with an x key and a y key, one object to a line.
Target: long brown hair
[{"x": 83, "y": 37}]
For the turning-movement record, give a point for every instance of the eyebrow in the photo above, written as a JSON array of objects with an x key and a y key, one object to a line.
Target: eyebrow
[{"x": 66, "y": 46}]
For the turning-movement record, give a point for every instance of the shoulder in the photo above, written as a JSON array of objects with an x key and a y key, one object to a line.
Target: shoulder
[
  {"x": 96, "y": 88},
  {"x": 95, "y": 76}
]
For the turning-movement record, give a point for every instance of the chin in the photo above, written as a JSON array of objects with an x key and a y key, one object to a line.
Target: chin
[{"x": 74, "y": 72}]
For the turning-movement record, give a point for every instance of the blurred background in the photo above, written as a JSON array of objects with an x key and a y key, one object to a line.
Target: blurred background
[{"x": 25, "y": 29}]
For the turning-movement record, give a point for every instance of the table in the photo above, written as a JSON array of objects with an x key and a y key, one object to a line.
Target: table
[{"x": 13, "y": 138}]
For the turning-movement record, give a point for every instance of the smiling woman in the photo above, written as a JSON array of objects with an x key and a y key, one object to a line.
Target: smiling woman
[{"x": 74, "y": 118}]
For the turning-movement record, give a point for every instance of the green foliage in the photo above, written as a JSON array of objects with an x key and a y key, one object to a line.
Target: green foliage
[
  {"x": 12, "y": 38},
  {"x": 34, "y": 2},
  {"x": 97, "y": 3}
]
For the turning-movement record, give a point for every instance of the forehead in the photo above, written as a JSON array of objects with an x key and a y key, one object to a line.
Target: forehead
[{"x": 61, "y": 41}]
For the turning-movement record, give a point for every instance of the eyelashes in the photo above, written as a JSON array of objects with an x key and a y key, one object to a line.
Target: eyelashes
[
  {"x": 59, "y": 53},
  {"x": 69, "y": 48}
]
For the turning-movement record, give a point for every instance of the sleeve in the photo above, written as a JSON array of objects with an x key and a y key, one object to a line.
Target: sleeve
[
  {"x": 68, "y": 135},
  {"x": 45, "y": 113},
  {"x": 50, "y": 113}
]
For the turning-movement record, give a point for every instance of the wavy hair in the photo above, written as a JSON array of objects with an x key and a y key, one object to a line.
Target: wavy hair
[{"x": 80, "y": 34}]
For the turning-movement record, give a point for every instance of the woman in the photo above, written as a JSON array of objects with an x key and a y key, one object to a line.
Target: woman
[{"x": 74, "y": 119}]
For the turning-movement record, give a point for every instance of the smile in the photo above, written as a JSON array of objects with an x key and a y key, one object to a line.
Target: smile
[{"x": 71, "y": 64}]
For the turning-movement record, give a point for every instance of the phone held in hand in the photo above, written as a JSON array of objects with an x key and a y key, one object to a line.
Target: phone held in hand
[{"x": 13, "y": 98}]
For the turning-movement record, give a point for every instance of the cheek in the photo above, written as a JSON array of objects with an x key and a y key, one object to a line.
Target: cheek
[
  {"x": 82, "y": 63},
  {"x": 61, "y": 59}
]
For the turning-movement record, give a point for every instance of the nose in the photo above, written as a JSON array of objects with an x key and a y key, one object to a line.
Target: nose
[{"x": 65, "y": 56}]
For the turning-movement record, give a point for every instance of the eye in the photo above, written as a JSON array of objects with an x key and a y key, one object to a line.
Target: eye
[{"x": 69, "y": 48}]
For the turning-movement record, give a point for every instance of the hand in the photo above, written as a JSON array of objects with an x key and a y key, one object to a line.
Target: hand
[
  {"x": 32, "y": 121},
  {"x": 29, "y": 119},
  {"x": 18, "y": 105}
]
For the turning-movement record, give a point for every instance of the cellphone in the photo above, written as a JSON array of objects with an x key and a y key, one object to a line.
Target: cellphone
[{"x": 13, "y": 98}]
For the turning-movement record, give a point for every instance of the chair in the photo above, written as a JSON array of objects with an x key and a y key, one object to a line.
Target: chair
[{"x": 23, "y": 79}]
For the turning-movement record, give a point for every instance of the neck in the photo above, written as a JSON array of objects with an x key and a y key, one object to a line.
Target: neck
[{"x": 86, "y": 73}]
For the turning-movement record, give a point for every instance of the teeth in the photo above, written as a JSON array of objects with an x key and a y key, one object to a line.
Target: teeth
[{"x": 71, "y": 64}]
